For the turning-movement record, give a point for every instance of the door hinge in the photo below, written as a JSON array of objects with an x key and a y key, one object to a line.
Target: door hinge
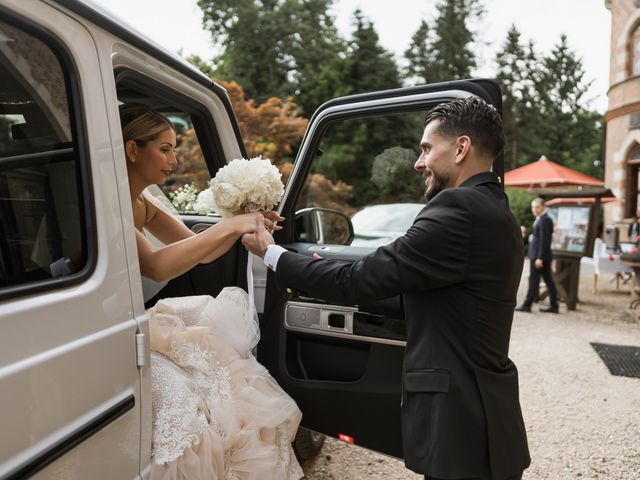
[{"x": 140, "y": 349}]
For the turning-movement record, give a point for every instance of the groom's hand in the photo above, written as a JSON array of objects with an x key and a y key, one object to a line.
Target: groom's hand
[{"x": 258, "y": 242}]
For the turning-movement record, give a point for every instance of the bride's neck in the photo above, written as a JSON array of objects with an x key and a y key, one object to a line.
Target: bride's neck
[{"x": 135, "y": 188}]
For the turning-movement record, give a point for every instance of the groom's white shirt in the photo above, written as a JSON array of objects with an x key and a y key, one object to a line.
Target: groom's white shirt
[{"x": 272, "y": 255}]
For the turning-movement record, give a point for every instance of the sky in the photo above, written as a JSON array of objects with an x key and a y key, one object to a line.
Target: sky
[{"x": 176, "y": 25}]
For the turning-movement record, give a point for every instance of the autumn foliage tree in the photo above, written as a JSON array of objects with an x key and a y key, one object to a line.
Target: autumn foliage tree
[{"x": 270, "y": 129}]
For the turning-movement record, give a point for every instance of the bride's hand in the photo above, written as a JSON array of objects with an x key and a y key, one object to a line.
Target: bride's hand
[
  {"x": 273, "y": 216},
  {"x": 244, "y": 223},
  {"x": 270, "y": 219}
]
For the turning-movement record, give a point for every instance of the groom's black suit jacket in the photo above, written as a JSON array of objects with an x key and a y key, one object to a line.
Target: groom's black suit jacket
[{"x": 458, "y": 269}]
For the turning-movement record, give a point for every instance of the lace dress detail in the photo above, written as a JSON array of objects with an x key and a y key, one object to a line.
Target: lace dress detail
[
  {"x": 217, "y": 413},
  {"x": 177, "y": 411}
]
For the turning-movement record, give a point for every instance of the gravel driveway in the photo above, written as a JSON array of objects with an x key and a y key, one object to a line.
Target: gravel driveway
[{"x": 582, "y": 422}]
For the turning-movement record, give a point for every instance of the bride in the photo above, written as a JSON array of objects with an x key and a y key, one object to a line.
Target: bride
[{"x": 217, "y": 413}]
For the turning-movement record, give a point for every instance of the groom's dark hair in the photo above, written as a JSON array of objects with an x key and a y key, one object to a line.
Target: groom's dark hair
[{"x": 473, "y": 117}]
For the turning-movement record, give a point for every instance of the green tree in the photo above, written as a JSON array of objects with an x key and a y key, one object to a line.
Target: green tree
[
  {"x": 520, "y": 203},
  {"x": 274, "y": 47},
  {"x": 394, "y": 176},
  {"x": 517, "y": 73},
  {"x": 317, "y": 52},
  {"x": 419, "y": 55},
  {"x": 205, "y": 67},
  {"x": 453, "y": 56},
  {"x": 369, "y": 66},
  {"x": 321, "y": 83},
  {"x": 571, "y": 131},
  {"x": 347, "y": 150}
]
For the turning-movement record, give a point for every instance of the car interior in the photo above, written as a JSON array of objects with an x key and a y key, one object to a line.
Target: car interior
[{"x": 230, "y": 269}]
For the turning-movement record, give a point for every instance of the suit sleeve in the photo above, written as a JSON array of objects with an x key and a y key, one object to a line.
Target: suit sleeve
[
  {"x": 433, "y": 253},
  {"x": 546, "y": 232}
]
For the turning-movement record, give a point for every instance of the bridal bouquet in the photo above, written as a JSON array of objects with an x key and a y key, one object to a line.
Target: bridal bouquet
[{"x": 252, "y": 185}]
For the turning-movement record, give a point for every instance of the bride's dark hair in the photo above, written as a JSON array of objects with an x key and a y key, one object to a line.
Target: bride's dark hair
[{"x": 141, "y": 124}]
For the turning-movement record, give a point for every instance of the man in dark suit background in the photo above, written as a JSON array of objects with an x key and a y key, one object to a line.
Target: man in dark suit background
[
  {"x": 539, "y": 254},
  {"x": 634, "y": 228},
  {"x": 458, "y": 269}
]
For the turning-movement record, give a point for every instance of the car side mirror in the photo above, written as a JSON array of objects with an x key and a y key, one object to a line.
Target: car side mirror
[{"x": 322, "y": 225}]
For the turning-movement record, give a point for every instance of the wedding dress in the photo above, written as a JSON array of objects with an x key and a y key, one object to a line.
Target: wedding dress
[{"x": 217, "y": 413}]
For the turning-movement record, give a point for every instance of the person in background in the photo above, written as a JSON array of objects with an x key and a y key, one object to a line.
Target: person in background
[
  {"x": 525, "y": 239},
  {"x": 634, "y": 228},
  {"x": 539, "y": 254}
]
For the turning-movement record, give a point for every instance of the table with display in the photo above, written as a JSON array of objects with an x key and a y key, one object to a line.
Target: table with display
[{"x": 633, "y": 261}]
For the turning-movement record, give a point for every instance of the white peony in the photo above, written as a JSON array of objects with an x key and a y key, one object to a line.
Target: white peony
[
  {"x": 255, "y": 184},
  {"x": 204, "y": 203}
]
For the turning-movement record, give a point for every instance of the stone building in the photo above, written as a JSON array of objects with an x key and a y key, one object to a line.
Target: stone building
[{"x": 622, "y": 119}]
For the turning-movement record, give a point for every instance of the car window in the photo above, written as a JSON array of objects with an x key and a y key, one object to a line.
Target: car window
[
  {"x": 364, "y": 169},
  {"x": 42, "y": 227},
  {"x": 186, "y": 190}
]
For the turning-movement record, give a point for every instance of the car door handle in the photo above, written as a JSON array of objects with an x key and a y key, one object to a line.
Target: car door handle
[
  {"x": 328, "y": 318},
  {"x": 336, "y": 320}
]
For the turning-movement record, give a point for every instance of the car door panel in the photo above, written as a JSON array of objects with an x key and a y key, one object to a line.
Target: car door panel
[{"x": 343, "y": 363}]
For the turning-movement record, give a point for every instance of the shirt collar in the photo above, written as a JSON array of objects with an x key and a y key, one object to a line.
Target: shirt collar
[{"x": 480, "y": 179}]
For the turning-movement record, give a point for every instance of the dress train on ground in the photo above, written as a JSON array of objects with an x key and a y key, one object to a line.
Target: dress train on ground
[{"x": 217, "y": 413}]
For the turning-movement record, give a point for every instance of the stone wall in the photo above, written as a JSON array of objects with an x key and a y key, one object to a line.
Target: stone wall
[{"x": 623, "y": 114}]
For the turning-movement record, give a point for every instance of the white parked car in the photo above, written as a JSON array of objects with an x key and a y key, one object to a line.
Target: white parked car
[{"x": 379, "y": 225}]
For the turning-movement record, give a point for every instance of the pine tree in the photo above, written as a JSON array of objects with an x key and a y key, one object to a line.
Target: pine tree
[
  {"x": 517, "y": 74},
  {"x": 369, "y": 66},
  {"x": 317, "y": 53},
  {"x": 454, "y": 58},
  {"x": 420, "y": 55},
  {"x": 572, "y": 132}
]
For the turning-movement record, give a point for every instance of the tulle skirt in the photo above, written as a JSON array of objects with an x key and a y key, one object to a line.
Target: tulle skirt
[{"x": 217, "y": 413}]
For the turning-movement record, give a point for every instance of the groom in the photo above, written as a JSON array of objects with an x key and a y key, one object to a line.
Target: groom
[{"x": 458, "y": 269}]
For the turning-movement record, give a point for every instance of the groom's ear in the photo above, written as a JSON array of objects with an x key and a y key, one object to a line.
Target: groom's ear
[{"x": 463, "y": 146}]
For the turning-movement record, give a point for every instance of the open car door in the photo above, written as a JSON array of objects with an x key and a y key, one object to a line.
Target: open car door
[{"x": 343, "y": 363}]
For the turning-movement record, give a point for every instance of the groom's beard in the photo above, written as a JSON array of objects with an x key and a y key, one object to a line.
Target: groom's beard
[{"x": 436, "y": 183}]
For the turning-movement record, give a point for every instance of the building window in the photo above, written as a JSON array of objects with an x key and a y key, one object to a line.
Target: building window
[
  {"x": 634, "y": 52},
  {"x": 631, "y": 193}
]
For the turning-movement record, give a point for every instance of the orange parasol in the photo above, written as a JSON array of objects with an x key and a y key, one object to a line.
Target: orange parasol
[{"x": 544, "y": 173}]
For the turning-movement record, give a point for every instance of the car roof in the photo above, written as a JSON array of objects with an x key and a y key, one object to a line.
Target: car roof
[{"x": 121, "y": 29}]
